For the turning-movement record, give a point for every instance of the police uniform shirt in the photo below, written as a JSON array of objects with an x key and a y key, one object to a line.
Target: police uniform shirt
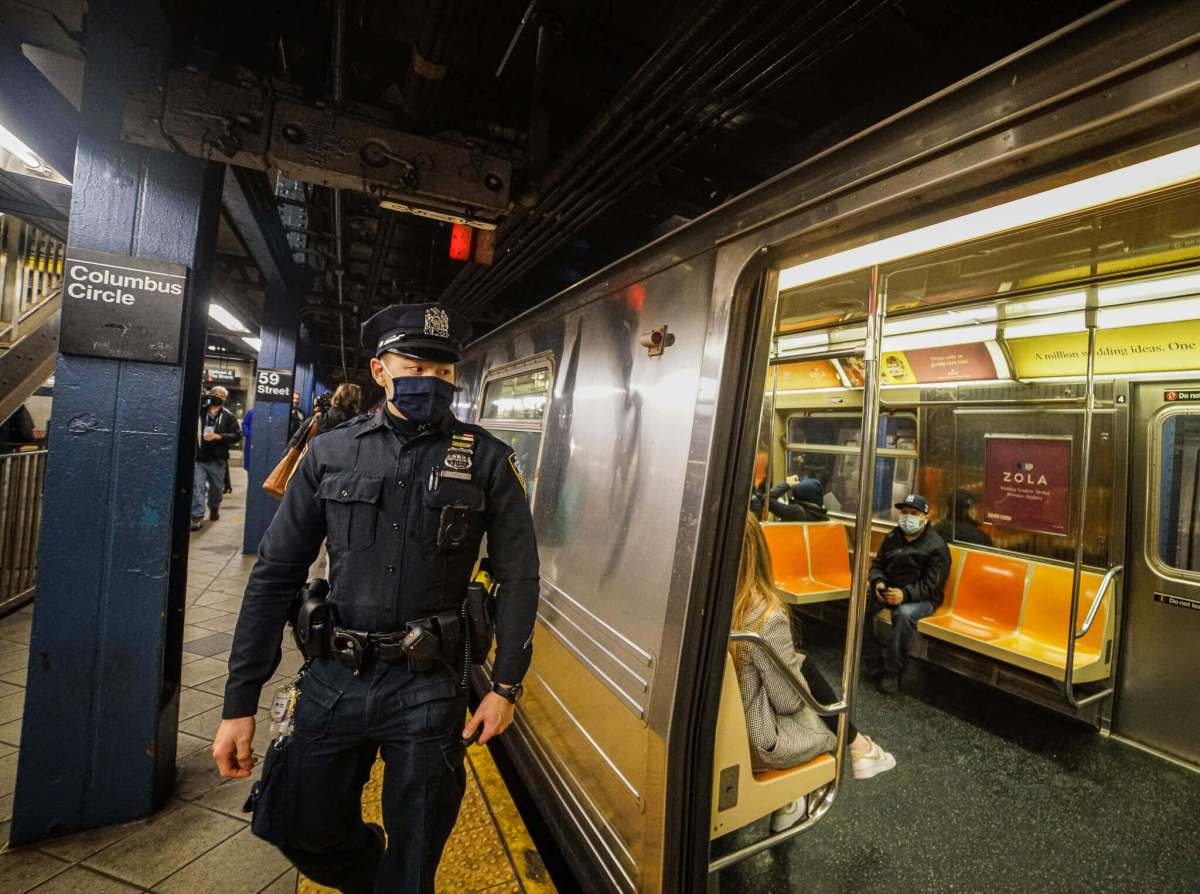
[{"x": 377, "y": 496}]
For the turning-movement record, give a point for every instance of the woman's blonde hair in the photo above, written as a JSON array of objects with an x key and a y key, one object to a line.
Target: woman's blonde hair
[
  {"x": 755, "y": 582},
  {"x": 347, "y": 397}
]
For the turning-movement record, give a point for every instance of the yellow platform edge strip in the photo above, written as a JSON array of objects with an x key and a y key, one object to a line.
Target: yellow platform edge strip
[{"x": 531, "y": 871}]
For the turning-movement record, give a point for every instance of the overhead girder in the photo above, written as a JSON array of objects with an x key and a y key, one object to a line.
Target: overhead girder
[{"x": 249, "y": 125}]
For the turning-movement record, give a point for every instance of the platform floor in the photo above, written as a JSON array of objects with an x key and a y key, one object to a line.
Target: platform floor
[
  {"x": 200, "y": 842},
  {"x": 990, "y": 795}
]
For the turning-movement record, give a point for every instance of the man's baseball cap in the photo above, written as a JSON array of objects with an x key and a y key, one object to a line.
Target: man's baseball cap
[
  {"x": 914, "y": 501},
  {"x": 424, "y": 331}
]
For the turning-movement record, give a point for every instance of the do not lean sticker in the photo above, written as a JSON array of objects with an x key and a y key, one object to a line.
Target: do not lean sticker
[{"x": 1177, "y": 601}]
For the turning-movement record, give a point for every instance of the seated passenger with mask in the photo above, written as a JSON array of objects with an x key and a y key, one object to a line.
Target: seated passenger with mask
[
  {"x": 798, "y": 499},
  {"x": 907, "y": 576}
]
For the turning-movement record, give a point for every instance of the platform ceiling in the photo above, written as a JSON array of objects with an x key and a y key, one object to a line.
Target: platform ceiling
[{"x": 770, "y": 84}]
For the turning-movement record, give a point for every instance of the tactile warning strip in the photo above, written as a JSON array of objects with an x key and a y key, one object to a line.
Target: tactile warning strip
[{"x": 490, "y": 849}]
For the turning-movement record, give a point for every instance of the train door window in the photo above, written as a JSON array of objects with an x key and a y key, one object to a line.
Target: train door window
[
  {"x": 1178, "y": 492},
  {"x": 516, "y": 397},
  {"x": 827, "y": 446}
]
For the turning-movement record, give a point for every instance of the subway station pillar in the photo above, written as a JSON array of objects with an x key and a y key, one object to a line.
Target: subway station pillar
[
  {"x": 279, "y": 333},
  {"x": 99, "y": 730}
]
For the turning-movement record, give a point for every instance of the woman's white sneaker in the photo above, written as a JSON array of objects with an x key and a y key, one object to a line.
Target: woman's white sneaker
[
  {"x": 874, "y": 762},
  {"x": 788, "y": 815}
]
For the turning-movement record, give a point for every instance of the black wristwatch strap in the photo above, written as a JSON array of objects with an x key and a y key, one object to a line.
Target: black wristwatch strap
[{"x": 511, "y": 693}]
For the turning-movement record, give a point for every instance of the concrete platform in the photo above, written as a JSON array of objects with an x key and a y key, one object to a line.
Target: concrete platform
[{"x": 200, "y": 842}]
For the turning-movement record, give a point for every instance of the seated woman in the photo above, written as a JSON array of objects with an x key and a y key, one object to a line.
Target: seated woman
[{"x": 784, "y": 732}]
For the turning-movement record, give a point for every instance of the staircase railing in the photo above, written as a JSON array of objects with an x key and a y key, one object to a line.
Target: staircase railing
[
  {"x": 31, "y": 269},
  {"x": 22, "y": 475}
]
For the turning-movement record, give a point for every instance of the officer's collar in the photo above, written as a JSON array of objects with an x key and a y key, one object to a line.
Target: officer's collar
[{"x": 446, "y": 425}]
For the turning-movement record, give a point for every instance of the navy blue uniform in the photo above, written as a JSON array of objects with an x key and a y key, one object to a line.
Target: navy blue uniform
[{"x": 374, "y": 488}]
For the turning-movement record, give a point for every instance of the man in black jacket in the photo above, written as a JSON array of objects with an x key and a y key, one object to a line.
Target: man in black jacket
[
  {"x": 907, "y": 576},
  {"x": 218, "y": 430}
]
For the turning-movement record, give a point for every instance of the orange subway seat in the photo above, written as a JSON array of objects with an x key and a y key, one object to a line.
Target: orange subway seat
[
  {"x": 828, "y": 555},
  {"x": 987, "y": 600},
  {"x": 789, "y": 557},
  {"x": 1043, "y": 633}
]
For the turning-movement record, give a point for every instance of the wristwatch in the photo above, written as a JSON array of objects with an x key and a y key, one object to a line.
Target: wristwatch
[{"x": 511, "y": 693}]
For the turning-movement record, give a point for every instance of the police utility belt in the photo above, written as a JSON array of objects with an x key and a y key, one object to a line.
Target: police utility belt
[{"x": 454, "y": 638}]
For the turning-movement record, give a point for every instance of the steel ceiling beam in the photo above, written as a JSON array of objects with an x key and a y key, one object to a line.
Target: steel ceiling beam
[{"x": 250, "y": 208}]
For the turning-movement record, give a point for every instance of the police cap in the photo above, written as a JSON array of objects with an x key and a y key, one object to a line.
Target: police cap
[{"x": 424, "y": 331}]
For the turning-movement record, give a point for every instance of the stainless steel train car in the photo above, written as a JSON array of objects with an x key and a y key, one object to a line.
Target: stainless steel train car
[{"x": 999, "y": 280}]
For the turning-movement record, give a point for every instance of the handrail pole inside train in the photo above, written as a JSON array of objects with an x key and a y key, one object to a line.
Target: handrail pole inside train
[
  {"x": 830, "y": 710},
  {"x": 1089, "y": 412},
  {"x": 872, "y": 359},
  {"x": 1098, "y": 599}
]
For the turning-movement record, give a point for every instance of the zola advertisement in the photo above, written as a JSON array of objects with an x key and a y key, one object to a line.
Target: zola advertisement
[{"x": 1027, "y": 482}]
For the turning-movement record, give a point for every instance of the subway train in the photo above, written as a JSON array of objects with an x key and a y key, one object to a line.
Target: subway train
[{"x": 991, "y": 298}]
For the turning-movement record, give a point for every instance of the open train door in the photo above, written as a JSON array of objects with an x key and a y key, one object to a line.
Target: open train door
[{"x": 736, "y": 442}]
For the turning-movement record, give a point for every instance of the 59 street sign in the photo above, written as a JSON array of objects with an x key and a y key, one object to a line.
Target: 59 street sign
[{"x": 273, "y": 386}]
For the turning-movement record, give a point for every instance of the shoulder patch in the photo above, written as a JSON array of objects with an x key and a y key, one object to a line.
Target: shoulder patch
[{"x": 515, "y": 465}]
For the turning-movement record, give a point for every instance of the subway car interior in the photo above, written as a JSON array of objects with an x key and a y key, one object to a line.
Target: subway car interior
[{"x": 1040, "y": 387}]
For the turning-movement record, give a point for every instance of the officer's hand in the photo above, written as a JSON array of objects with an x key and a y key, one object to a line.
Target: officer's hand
[
  {"x": 792, "y": 480},
  {"x": 893, "y": 596},
  {"x": 231, "y": 747},
  {"x": 495, "y": 713}
]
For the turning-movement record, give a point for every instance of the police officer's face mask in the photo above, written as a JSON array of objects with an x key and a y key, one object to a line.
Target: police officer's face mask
[
  {"x": 422, "y": 399},
  {"x": 911, "y": 524}
]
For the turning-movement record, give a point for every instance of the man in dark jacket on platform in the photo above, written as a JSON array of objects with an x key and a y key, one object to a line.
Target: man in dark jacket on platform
[
  {"x": 218, "y": 431},
  {"x": 908, "y": 577}
]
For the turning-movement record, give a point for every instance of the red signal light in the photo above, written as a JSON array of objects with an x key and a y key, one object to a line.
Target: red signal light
[{"x": 460, "y": 242}]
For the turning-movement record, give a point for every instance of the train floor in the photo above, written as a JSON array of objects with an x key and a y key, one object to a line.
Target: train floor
[
  {"x": 989, "y": 794},
  {"x": 200, "y": 841}
]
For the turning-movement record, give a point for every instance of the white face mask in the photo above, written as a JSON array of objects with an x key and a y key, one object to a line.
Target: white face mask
[{"x": 911, "y": 524}]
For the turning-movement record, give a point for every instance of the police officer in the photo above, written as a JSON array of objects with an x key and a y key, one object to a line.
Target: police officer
[{"x": 403, "y": 499}]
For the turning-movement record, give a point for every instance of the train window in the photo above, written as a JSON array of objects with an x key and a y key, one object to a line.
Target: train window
[
  {"x": 1178, "y": 489},
  {"x": 827, "y": 445},
  {"x": 516, "y": 397}
]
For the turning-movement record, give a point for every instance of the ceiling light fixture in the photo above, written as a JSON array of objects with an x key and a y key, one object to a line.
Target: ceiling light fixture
[
  {"x": 939, "y": 338},
  {"x": 10, "y": 141},
  {"x": 1111, "y": 186},
  {"x": 255, "y": 343},
  {"x": 225, "y": 318}
]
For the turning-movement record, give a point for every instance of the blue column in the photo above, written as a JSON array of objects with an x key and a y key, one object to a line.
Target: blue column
[
  {"x": 279, "y": 333},
  {"x": 98, "y": 740}
]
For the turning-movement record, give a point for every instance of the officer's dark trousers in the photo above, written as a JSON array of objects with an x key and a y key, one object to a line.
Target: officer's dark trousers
[{"x": 415, "y": 721}]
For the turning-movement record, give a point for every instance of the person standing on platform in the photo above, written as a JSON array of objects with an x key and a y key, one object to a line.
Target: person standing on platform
[
  {"x": 295, "y": 414},
  {"x": 403, "y": 499},
  {"x": 16, "y": 431},
  {"x": 247, "y": 433},
  {"x": 343, "y": 406},
  {"x": 908, "y": 576},
  {"x": 218, "y": 431}
]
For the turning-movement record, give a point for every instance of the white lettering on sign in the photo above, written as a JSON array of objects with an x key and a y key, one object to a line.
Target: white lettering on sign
[
  {"x": 81, "y": 273},
  {"x": 273, "y": 385},
  {"x": 1025, "y": 478}
]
